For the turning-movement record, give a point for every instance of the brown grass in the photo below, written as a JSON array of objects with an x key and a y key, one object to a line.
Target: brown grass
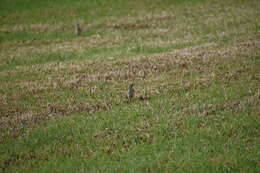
[{"x": 144, "y": 69}]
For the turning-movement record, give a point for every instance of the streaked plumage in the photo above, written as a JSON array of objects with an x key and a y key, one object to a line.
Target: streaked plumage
[
  {"x": 131, "y": 92},
  {"x": 78, "y": 30}
]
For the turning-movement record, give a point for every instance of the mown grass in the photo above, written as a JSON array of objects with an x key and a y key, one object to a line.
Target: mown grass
[{"x": 195, "y": 66}]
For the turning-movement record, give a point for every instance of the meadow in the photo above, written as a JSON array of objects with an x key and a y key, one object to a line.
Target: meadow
[{"x": 195, "y": 66}]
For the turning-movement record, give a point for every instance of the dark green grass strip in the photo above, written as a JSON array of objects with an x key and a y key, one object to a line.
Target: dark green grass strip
[{"x": 87, "y": 54}]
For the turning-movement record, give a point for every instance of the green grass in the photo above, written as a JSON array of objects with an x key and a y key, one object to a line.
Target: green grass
[{"x": 195, "y": 66}]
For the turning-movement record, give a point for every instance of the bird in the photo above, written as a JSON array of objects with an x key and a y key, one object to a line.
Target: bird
[
  {"x": 77, "y": 30},
  {"x": 131, "y": 92}
]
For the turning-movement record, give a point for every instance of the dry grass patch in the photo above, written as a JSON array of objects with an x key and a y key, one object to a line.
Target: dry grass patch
[{"x": 115, "y": 76}]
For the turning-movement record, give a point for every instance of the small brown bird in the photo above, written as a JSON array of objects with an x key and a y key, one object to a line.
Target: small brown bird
[
  {"x": 131, "y": 92},
  {"x": 78, "y": 30}
]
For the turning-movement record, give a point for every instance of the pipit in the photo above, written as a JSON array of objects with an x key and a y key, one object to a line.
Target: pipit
[
  {"x": 131, "y": 92},
  {"x": 77, "y": 30}
]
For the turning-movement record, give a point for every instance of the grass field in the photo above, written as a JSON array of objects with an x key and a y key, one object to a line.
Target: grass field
[{"x": 195, "y": 66}]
